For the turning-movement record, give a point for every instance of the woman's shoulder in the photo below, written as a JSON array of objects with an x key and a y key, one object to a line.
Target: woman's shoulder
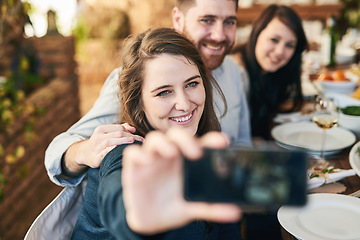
[
  {"x": 118, "y": 150},
  {"x": 114, "y": 157}
]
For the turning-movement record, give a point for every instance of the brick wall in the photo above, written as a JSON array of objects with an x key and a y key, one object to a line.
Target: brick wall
[
  {"x": 56, "y": 54},
  {"x": 26, "y": 197}
]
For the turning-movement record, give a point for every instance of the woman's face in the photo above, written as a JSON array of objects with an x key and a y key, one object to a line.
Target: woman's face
[
  {"x": 173, "y": 93},
  {"x": 275, "y": 46}
]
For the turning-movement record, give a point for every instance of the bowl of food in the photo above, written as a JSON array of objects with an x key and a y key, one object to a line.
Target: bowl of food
[
  {"x": 349, "y": 118},
  {"x": 338, "y": 81}
]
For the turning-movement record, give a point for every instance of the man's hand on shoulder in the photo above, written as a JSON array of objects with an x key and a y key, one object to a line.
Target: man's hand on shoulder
[{"x": 90, "y": 152}]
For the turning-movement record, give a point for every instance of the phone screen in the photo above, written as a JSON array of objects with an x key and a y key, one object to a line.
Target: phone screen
[{"x": 247, "y": 177}]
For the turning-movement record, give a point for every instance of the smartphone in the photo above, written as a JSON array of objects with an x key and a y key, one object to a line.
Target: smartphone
[{"x": 248, "y": 177}]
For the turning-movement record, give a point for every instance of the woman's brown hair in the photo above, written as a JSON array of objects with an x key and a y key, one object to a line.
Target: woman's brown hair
[{"x": 148, "y": 45}]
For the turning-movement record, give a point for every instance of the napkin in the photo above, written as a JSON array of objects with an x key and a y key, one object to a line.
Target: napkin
[
  {"x": 334, "y": 175},
  {"x": 291, "y": 117}
]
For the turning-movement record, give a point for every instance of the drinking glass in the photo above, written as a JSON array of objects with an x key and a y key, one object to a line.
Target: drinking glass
[{"x": 325, "y": 116}]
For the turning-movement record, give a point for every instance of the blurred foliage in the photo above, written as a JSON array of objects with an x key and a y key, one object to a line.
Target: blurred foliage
[
  {"x": 14, "y": 14},
  {"x": 22, "y": 80},
  {"x": 349, "y": 15},
  {"x": 104, "y": 23},
  {"x": 14, "y": 107},
  {"x": 352, "y": 12}
]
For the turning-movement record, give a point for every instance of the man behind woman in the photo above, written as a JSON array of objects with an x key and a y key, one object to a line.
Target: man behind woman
[
  {"x": 137, "y": 192},
  {"x": 211, "y": 26}
]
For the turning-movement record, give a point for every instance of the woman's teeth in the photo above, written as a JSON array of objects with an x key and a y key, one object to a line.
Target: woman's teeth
[{"x": 183, "y": 119}]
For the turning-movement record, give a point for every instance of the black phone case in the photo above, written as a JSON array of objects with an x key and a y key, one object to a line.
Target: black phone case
[{"x": 247, "y": 177}]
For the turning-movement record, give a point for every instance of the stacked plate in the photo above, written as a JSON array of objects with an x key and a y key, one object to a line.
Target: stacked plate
[
  {"x": 354, "y": 158},
  {"x": 326, "y": 216},
  {"x": 307, "y": 136}
]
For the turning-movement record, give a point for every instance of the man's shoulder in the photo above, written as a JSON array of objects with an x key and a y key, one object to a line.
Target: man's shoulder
[
  {"x": 114, "y": 75},
  {"x": 229, "y": 69},
  {"x": 231, "y": 64}
]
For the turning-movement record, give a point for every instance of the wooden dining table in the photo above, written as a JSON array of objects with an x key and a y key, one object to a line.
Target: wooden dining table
[{"x": 352, "y": 183}]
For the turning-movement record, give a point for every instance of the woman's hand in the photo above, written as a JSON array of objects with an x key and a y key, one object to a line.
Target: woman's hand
[{"x": 152, "y": 181}]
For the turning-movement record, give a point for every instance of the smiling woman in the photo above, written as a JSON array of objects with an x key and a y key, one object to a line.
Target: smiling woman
[
  {"x": 166, "y": 92},
  {"x": 179, "y": 102},
  {"x": 272, "y": 56},
  {"x": 158, "y": 95}
]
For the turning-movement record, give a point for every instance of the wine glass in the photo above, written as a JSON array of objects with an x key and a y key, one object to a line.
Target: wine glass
[{"x": 325, "y": 116}]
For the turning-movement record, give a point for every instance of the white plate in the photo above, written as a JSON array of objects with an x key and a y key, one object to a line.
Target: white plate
[
  {"x": 306, "y": 135},
  {"x": 311, "y": 152},
  {"x": 326, "y": 216},
  {"x": 354, "y": 159}
]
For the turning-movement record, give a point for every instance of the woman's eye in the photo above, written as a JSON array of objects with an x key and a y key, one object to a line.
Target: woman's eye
[
  {"x": 274, "y": 40},
  {"x": 163, "y": 93},
  {"x": 192, "y": 84},
  {"x": 289, "y": 45}
]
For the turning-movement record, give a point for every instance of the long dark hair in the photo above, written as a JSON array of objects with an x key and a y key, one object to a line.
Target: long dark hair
[
  {"x": 137, "y": 51},
  {"x": 269, "y": 90}
]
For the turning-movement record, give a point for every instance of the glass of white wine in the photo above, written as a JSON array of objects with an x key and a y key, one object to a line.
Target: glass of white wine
[{"x": 326, "y": 116}]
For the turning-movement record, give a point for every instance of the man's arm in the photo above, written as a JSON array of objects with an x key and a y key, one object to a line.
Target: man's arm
[{"x": 75, "y": 150}]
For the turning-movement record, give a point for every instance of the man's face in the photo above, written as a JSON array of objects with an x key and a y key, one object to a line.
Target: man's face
[{"x": 211, "y": 25}]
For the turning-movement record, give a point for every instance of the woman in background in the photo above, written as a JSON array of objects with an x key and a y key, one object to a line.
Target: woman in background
[{"x": 272, "y": 57}]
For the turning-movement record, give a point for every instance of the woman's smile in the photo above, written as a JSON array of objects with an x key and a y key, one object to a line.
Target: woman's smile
[{"x": 184, "y": 119}]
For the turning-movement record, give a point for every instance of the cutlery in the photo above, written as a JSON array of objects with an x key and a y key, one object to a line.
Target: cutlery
[{"x": 355, "y": 194}]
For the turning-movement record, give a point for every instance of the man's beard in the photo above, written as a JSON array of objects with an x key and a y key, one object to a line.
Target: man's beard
[{"x": 211, "y": 61}]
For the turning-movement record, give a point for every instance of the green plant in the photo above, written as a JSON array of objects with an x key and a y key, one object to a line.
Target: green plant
[
  {"x": 13, "y": 17},
  {"x": 13, "y": 106},
  {"x": 21, "y": 79},
  {"x": 349, "y": 15}
]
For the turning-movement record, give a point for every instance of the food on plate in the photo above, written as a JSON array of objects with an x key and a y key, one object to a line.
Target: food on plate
[
  {"x": 321, "y": 170},
  {"x": 325, "y": 76},
  {"x": 356, "y": 71},
  {"x": 336, "y": 76},
  {"x": 339, "y": 75},
  {"x": 356, "y": 93},
  {"x": 351, "y": 110}
]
